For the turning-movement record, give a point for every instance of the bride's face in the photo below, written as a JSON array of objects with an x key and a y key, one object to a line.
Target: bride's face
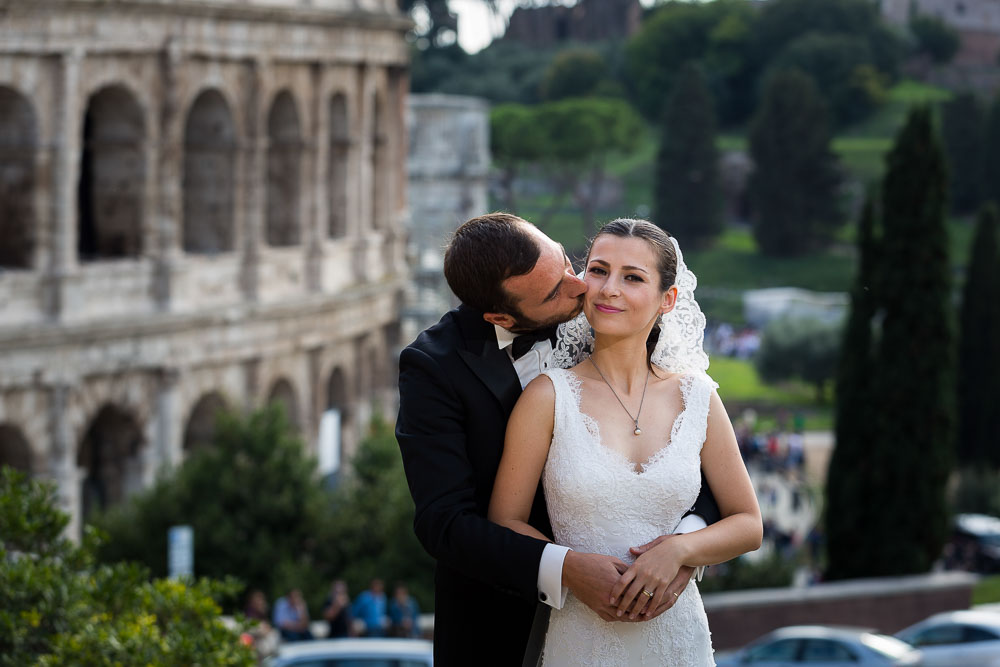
[{"x": 623, "y": 287}]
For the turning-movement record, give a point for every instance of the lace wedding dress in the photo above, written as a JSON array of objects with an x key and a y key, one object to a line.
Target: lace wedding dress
[{"x": 598, "y": 503}]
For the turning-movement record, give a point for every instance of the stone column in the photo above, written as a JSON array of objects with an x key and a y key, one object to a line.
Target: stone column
[
  {"x": 168, "y": 208},
  {"x": 62, "y": 256},
  {"x": 167, "y": 446},
  {"x": 254, "y": 173},
  {"x": 315, "y": 170},
  {"x": 62, "y": 458}
]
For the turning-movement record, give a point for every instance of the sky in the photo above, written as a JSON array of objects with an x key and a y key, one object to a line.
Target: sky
[{"x": 477, "y": 26}]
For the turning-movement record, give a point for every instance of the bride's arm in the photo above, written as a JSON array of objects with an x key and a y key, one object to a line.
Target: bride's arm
[
  {"x": 526, "y": 445},
  {"x": 739, "y": 531}
]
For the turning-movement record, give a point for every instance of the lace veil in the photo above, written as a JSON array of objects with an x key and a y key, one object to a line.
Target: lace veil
[{"x": 680, "y": 347}]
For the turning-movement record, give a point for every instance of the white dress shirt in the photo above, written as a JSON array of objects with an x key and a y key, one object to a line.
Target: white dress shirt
[{"x": 528, "y": 367}]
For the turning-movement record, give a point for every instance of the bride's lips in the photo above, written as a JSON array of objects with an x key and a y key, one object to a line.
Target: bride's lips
[{"x": 606, "y": 309}]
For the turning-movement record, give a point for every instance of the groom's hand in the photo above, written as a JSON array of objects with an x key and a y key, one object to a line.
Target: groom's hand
[{"x": 591, "y": 577}]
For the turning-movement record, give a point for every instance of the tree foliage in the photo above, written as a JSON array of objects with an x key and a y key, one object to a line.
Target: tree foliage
[
  {"x": 718, "y": 34},
  {"x": 260, "y": 513},
  {"x": 842, "y": 67},
  {"x": 851, "y": 477},
  {"x": 962, "y": 130},
  {"x": 370, "y": 528},
  {"x": 913, "y": 379},
  {"x": 573, "y": 139},
  {"x": 844, "y": 42},
  {"x": 59, "y": 607},
  {"x": 578, "y": 72},
  {"x": 799, "y": 348},
  {"x": 793, "y": 188},
  {"x": 990, "y": 182},
  {"x": 979, "y": 348},
  {"x": 688, "y": 198},
  {"x": 934, "y": 38}
]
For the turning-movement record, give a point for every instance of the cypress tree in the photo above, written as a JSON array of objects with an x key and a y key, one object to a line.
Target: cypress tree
[
  {"x": 962, "y": 127},
  {"x": 687, "y": 174},
  {"x": 793, "y": 188},
  {"x": 990, "y": 183},
  {"x": 850, "y": 476},
  {"x": 913, "y": 378},
  {"x": 979, "y": 348}
]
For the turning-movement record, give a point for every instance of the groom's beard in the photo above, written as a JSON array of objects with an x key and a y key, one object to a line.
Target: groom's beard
[{"x": 522, "y": 323}]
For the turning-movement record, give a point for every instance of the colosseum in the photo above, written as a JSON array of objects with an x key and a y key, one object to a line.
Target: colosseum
[{"x": 202, "y": 204}]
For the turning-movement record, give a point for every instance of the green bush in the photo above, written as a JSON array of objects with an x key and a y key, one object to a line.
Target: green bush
[
  {"x": 260, "y": 513},
  {"x": 799, "y": 348},
  {"x": 773, "y": 571},
  {"x": 59, "y": 607}
]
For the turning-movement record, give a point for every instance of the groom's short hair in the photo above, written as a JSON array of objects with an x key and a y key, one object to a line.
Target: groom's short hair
[{"x": 484, "y": 252}]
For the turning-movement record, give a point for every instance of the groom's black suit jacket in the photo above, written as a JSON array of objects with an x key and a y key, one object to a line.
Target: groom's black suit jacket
[{"x": 457, "y": 390}]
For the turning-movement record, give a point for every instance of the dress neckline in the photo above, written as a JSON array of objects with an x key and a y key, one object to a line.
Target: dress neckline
[{"x": 637, "y": 468}]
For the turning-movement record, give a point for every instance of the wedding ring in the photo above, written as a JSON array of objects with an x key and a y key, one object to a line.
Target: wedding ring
[
  {"x": 647, "y": 592},
  {"x": 677, "y": 595}
]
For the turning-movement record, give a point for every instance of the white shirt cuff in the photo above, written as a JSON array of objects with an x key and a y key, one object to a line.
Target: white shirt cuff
[
  {"x": 689, "y": 524},
  {"x": 550, "y": 588}
]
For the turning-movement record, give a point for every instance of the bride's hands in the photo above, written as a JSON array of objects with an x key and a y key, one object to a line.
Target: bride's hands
[{"x": 658, "y": 569}]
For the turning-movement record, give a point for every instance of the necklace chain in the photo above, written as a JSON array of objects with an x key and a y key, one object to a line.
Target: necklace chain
[{"x": 635, "y": 420}]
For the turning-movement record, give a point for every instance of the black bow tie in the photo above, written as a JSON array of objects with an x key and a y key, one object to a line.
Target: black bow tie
[{"x": 525, "y": 341}]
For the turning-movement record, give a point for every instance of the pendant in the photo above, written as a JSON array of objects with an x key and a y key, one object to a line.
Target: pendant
[{"x": 637, "y": 431}]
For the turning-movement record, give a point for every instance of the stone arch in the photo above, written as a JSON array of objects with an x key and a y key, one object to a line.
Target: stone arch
[
  {"x": 380, "y": 163},
  {"x": 199, "y": 430},
  {"x": 340, "y": 143},
  {"x": 15, "y": 451},
  {"x": 110, "y": 192},
  {"x": 109, "y": 459},
  {"x": 209, "y": 175},
  {"x": 18, "y": 143},
  {"x": 284, "y": 171},
  {"x": 283, "y": 393}
]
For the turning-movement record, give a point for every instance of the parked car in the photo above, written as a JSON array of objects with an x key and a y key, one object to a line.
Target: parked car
[
  {"x": 974, "y": 544},
  {"x": 355, "y": 653},
  {"x": 956, "y": 638},
  {"x": 823, "y": 646}
]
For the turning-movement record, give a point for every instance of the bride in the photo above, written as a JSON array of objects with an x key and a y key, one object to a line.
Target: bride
[{"x": 617, "y": 437}]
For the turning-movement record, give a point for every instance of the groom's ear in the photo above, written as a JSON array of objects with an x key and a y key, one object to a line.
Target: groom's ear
[{"x": 499, "y": 319}]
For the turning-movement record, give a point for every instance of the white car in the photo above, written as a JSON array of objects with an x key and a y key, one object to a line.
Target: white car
[
  {"x": 823, "y": 646},
  {"x": 355, "y": 653},
  {"x": 957, "y": 638}
]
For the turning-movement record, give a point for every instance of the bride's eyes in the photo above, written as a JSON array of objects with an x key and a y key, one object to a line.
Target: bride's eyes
[{"x": 632, "y": 277}]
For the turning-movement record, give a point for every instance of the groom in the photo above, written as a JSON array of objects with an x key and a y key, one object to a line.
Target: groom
[{"x": 458, "y": 382}]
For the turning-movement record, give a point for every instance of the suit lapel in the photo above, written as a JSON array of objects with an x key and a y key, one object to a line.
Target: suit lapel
[{"x": 489, "y": 363}]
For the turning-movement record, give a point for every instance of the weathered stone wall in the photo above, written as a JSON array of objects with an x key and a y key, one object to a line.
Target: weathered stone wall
[
  {"x": 168, "y": 173},
  {"x": 586, "y": 21},
  {"x": 449, "y": 161}
]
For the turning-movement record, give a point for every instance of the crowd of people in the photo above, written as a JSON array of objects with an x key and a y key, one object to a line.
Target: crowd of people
[{"x": 371, "y": 614}]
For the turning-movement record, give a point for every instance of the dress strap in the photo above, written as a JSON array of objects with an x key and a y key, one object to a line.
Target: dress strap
[{"x": 696, "y": 389}]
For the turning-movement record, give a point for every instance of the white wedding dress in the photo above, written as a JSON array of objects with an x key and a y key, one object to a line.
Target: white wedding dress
[{"x": 598, "y": 503}]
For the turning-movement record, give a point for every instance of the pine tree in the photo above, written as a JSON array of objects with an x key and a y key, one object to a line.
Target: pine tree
[
  {"x": 687, "y": 179},
  {"x": 979, "y": 348},
  {"x": 850, "y": 476},
  {"x": 962, "y": 127},
  {"x": 990, "y": 182},
  {"x": 913, "y": 377},
  {"x": 793, "y": 188}
]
